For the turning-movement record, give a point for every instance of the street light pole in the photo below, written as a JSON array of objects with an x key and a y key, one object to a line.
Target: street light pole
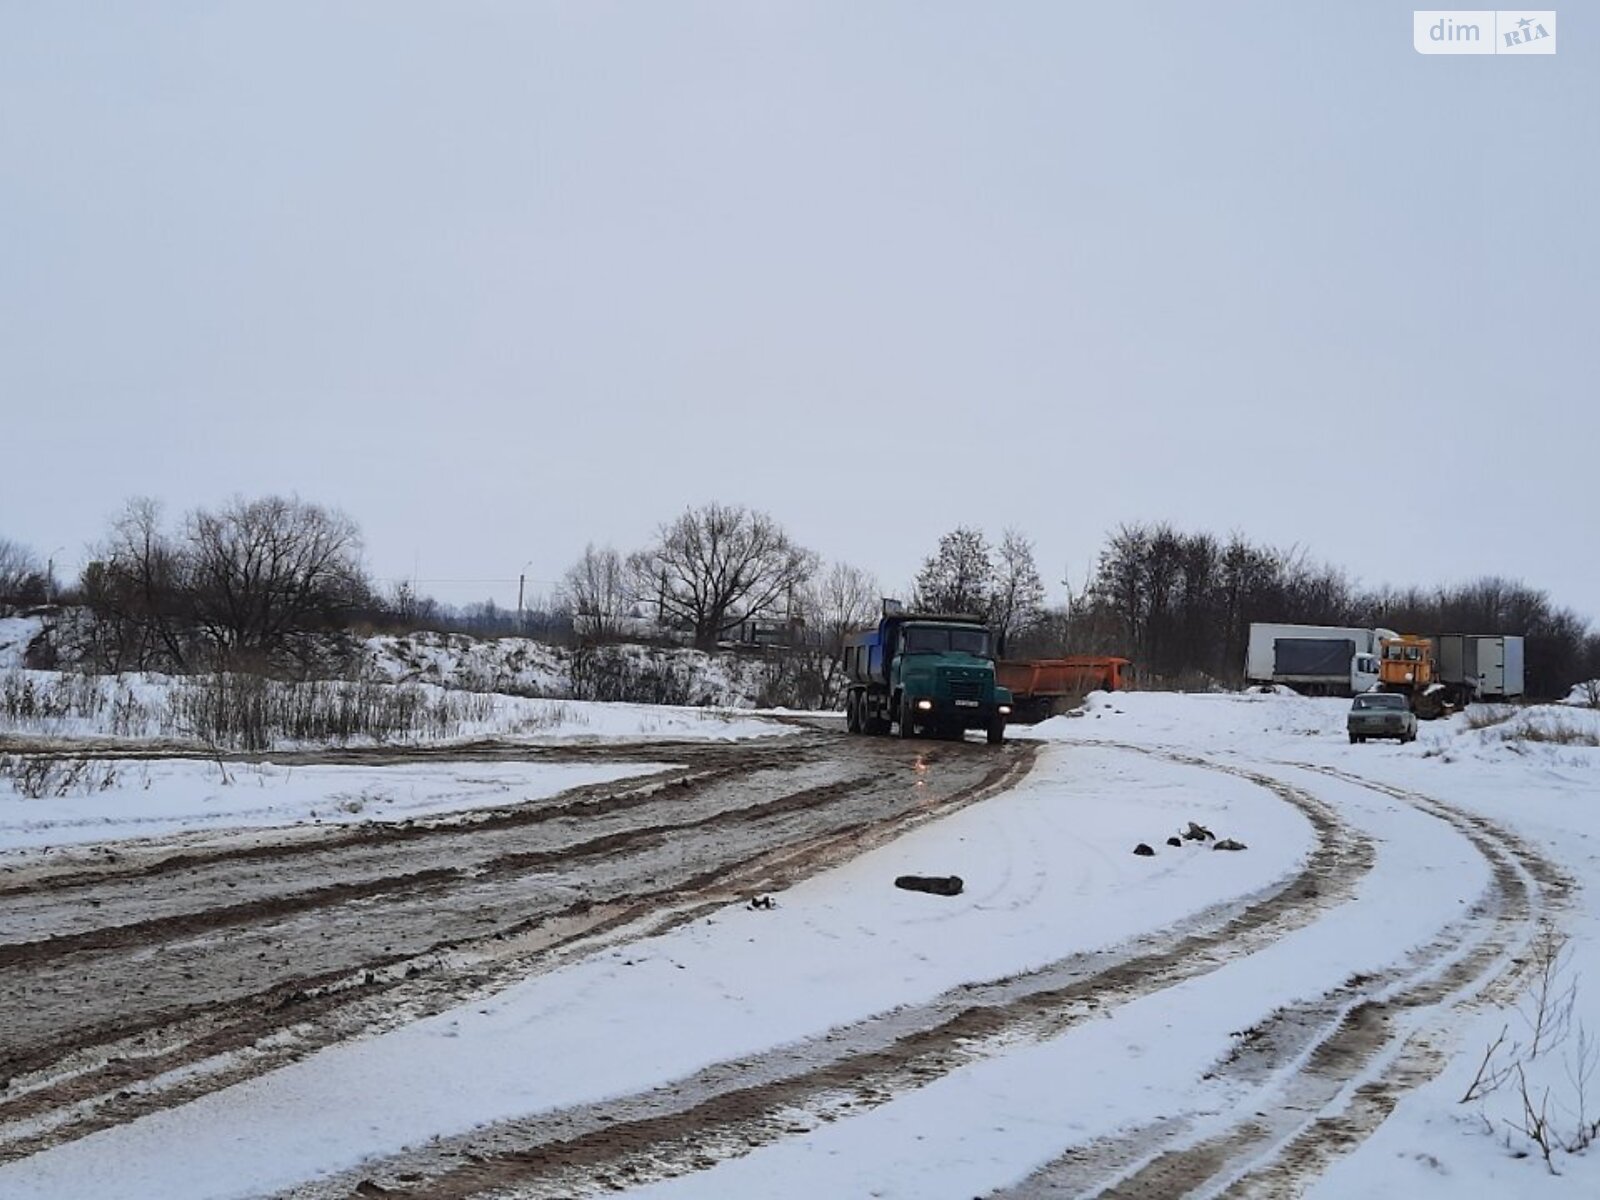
[
  {"x": 50, "y": 574},
  {"x": 522, "y": 579}
]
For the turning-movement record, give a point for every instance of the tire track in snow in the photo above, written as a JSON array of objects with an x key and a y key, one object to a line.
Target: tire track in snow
[
  {"x": 1329, "y": 1071},
  {"x": 731, "y": 1108},
  {"x": 1416, "y": 1050},
  {"x": 82, "y": 870}
]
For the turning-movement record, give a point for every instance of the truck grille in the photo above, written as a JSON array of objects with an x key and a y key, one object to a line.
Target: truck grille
[{"x": 966, "y": 689}]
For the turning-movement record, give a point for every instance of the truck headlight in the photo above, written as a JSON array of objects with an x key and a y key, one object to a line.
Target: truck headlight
[
  {"x": 924, "y": 705},
  {"x": 1005, "y": 710}
]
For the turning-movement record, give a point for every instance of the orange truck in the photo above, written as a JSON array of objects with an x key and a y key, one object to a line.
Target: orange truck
[{"x": 1045, "y": 687}]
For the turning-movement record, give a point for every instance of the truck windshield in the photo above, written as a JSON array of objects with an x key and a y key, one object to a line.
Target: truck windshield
[{"x": 934, "y": 639}]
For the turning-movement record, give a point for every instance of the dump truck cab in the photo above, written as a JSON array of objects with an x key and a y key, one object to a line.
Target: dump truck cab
[{"x": 924, "y": 672}]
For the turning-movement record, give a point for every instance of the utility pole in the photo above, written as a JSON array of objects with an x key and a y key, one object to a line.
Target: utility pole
[
  {"x": 522, "y": 626},
  {"x": 1066, "y": 582},
  {"x": 50, "y": 575}
]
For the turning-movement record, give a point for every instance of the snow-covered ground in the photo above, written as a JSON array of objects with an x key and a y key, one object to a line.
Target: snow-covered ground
[
  {"x": 1586, "y": 695},
  {"x": 119, "y": 799},
  {"x": 147, "y": 707},
  {"x": 15, "y": 634},
  {"x": 1049, "y": 874}
]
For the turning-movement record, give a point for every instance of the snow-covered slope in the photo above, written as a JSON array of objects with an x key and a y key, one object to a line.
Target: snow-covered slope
[
  {"x": 15, "y": 634},
  {"x": 523, "y": 667}
]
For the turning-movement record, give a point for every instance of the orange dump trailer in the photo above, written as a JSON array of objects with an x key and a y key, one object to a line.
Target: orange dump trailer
[{"x": 1044, "y": 687}]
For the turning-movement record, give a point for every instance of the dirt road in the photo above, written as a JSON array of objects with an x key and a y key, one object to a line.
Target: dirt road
[
  {"x": 133, "y": 981},
  {"x": 138, "y": 977}
]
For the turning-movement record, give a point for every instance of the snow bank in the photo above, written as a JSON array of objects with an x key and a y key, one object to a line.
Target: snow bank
[
  {"x": 523, "y": 667},
  {"x": 15, "y": 635},
  {"x": 1586, "y": 695},
  {"x": 519, "y": 666}
]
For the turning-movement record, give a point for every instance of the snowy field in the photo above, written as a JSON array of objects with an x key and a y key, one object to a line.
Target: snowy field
[{"x": 1049, "y": 875}]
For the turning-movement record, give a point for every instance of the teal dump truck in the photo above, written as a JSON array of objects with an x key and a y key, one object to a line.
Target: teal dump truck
[{"x": 927, "y": 673}]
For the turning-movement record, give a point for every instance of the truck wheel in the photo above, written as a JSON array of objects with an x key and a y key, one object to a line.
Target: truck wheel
[
  {"x": 906, "y": 725},
  {"x": 852, "y": 713},
  {"x": 1354, "y": 739},
  {"x": 871, "y": 725},
  {"x": 997, "y": 731}
]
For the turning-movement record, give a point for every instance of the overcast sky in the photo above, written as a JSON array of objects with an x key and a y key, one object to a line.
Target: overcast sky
[{"x": 501, "y": 279}]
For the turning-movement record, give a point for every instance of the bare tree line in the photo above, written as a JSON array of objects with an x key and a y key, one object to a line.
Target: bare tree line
[
  {"x": 236, "y": 587},
  {"x": 254, "y": 583},
  {"x": 1180, "y": 605},
  {"x": 707, "y": 571},
  {"x": 23, "y": 578}
]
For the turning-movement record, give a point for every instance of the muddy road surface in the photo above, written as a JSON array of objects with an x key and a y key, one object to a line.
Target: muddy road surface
[{"x": 138, "y": 976}]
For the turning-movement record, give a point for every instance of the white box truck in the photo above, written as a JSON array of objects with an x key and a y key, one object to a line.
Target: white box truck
[
  {"x": 1318, "y": 660},
  {"x": 1489, "y": 664}
]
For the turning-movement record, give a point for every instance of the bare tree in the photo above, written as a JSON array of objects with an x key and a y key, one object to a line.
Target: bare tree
[
  {"x": 835, "y": 604},
  {"x": 137, "y": 587},
  {"x": 22, "y": 579},
  {"x": 841, "y": 600},
  {"x": 261, "y": 570},
  {"x": 958, "y": 577},
  {"x": 410, "y": 607},
  {"x": 1017, "y": 601},
  {"x": 596, "y": 589},
  {"x": 718, "y": 565},
  {"x": 1119, "y": 590}
]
